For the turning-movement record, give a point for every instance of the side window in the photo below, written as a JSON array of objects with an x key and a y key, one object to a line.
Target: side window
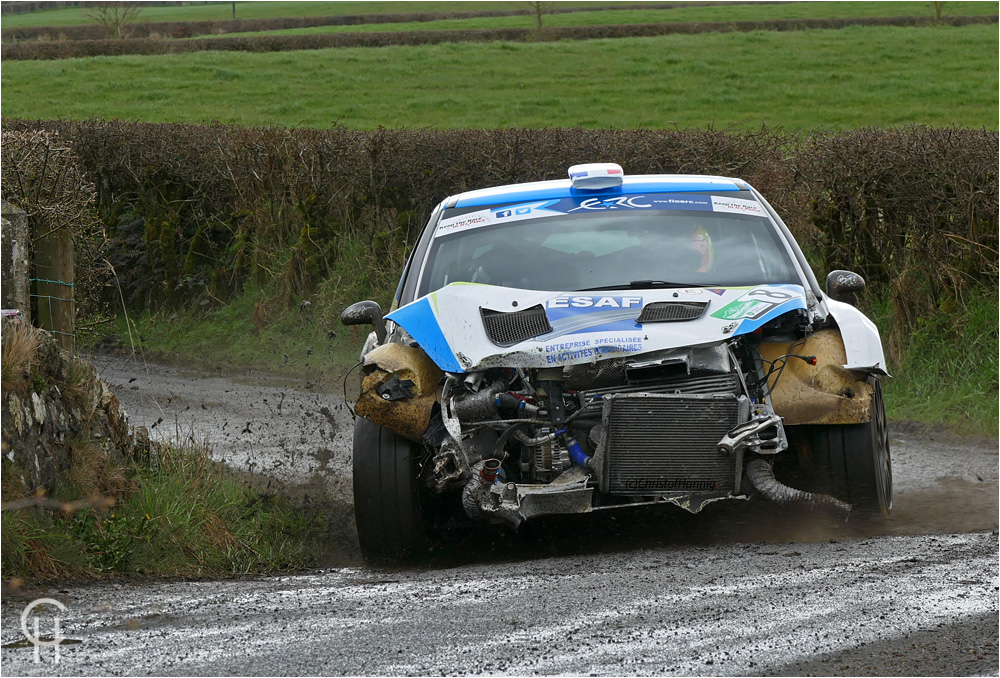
[{"x": 407, "y": 289}]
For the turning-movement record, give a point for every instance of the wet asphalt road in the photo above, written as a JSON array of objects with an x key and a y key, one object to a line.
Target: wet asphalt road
[{"x": 744, "y": 588}]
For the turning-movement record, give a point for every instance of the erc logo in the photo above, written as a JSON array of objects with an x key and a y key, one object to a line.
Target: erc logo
[{"x": 617, "y": 203}]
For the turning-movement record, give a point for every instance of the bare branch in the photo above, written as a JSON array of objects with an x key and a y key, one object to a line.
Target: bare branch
[{"x": 115, "y": 17}]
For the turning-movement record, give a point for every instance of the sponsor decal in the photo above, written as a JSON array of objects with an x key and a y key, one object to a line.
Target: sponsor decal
[
  {"x": 527, "y": 211},
  {"x": 743, "y": 308},
  {"x": 737, "y": 206},
  {"x": 617, "y": 203},
  {"x": 463, "y": 223},
  {"x": 563, "y": 351},
  {"x": 754, "y": 304},
  {"x": 849, "y": 279},
  {"x": 680, "y": 201},
  {"x": 591, "y": 313},
  {"x": 596, "y": 302},
  {"x": 548, "y": 208},
  {"x": 488, "y": 217},
  {"x": 716, "y": 290}
]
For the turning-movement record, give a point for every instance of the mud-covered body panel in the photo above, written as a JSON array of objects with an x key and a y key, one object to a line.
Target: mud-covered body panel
[
  {"x": 824, "y": 393},
  {"x": 399, "y": 386}
]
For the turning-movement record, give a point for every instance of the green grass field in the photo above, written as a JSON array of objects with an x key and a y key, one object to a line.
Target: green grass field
[
  {"x": 746, "y": 12},
  {"x": 848, "y": 78},
  {"x": 222, "y": 11}
]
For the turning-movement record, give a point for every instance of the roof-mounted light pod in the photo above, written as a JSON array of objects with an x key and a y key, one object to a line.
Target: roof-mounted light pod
[{"x": 596, "y": 175}]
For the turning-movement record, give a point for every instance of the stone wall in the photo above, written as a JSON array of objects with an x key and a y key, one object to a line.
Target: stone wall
[{"x": 53, "y": 409}]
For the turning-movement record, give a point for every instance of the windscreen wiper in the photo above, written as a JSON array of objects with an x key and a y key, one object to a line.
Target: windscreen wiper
[{"x": 641, "y": 285}]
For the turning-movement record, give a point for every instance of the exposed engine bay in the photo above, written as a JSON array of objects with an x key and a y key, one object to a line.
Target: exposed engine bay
[{"x": 688, "y": 426}]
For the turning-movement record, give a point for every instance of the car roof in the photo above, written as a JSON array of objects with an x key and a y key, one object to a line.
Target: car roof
[{"x": 563, "y": 188}]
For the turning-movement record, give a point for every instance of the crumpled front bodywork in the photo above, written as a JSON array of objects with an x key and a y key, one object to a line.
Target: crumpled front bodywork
[
  {"x": 862, "y": 343},
  {"x": 399, "y": 387},
  {"x": 585, "y": 326}
]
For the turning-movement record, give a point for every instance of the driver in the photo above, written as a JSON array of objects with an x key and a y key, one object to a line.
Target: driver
[{"x": 701, "y": 243}]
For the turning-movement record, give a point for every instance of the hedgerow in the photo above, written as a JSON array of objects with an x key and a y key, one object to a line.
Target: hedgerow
[
  {"x": 914, "y": 209},
  {"x": 194, "y": 213},
  {"x": 67, "y": 49},
  {"x": 184, "y": 29}
]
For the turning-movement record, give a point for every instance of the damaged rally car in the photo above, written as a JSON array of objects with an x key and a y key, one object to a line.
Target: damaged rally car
[{"x": 605, "y": 341}]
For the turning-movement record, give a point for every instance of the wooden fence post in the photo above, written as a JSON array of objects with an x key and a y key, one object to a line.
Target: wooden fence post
[{"x": 54, "y": 284}]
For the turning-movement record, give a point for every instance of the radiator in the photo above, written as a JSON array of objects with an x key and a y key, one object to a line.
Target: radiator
[{"x": 660, "y": 443}]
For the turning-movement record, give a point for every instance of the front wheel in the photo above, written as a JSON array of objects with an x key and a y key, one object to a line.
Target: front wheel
[
  {"x": 852, "y": 461},
  {"x": 387, "y": 507}
]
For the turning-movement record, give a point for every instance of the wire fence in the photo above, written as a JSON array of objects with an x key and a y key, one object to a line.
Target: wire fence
[{"x": 59, "y": 321}]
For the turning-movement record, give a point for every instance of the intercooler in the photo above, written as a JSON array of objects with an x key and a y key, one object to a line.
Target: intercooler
[{"x": 666, "y": 443}]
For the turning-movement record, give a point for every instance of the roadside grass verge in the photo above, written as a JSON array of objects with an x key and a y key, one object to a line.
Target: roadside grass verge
[
  {"x": 946, "y": 371},
  {"x": 736, "y": 12},
  {"x": 258, "y": 331},
  {"x": 188, "y": 517},
  {"x": 269, "y": 329},
  {"x": 854, "y": 77}
]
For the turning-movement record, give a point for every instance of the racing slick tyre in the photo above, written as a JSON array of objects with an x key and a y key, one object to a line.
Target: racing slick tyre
[
  {"x": 852, "y": 461},
  {"x": 387, "y": 489}
]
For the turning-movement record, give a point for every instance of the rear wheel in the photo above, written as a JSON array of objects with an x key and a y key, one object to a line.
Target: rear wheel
[
  {"x": 387, "y": 507},
  {"x": 852, "y": 462}
]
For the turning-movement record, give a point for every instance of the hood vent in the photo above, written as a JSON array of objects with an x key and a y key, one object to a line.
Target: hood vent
[
  {"x": 507, "y": 329},
  {"x": 671, "y": 311}
]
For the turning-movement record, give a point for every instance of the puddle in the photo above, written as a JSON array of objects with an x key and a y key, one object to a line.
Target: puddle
[{"x": 46, "y": 640}]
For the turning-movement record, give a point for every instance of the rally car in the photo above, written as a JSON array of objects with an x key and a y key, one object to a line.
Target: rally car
[{"x": 605, "y": 341}]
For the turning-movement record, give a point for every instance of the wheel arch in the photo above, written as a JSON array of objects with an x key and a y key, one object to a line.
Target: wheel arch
[{"x": 827, "y": 392}]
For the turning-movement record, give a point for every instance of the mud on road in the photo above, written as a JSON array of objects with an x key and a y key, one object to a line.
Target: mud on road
[
  {"x": 285, "y": 434},
  {"x": 910, "y": 606},
  {"x": 744, "y": 588},
  {"x": 295, "y": 435}
]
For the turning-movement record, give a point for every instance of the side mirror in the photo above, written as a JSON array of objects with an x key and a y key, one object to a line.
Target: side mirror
[
  {"x": 365, "y": 313},
  {"x": 844, "y": 286}
]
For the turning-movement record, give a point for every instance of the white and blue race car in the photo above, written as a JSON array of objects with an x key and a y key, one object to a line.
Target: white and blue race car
[{"x": 605, "y": 341}]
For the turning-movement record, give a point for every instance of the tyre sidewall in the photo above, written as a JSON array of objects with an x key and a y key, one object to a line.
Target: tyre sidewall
[{"x": 387, "y": 507}]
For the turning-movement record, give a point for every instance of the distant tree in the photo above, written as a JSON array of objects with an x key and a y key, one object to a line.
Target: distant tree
[
  {"x": 938, "y": 7},
  {"x": 540, "y": 9},
  {"x": 115, "y": 17}
]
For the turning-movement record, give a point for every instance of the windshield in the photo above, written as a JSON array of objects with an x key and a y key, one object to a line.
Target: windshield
[{"x": 575, "y": 244}]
